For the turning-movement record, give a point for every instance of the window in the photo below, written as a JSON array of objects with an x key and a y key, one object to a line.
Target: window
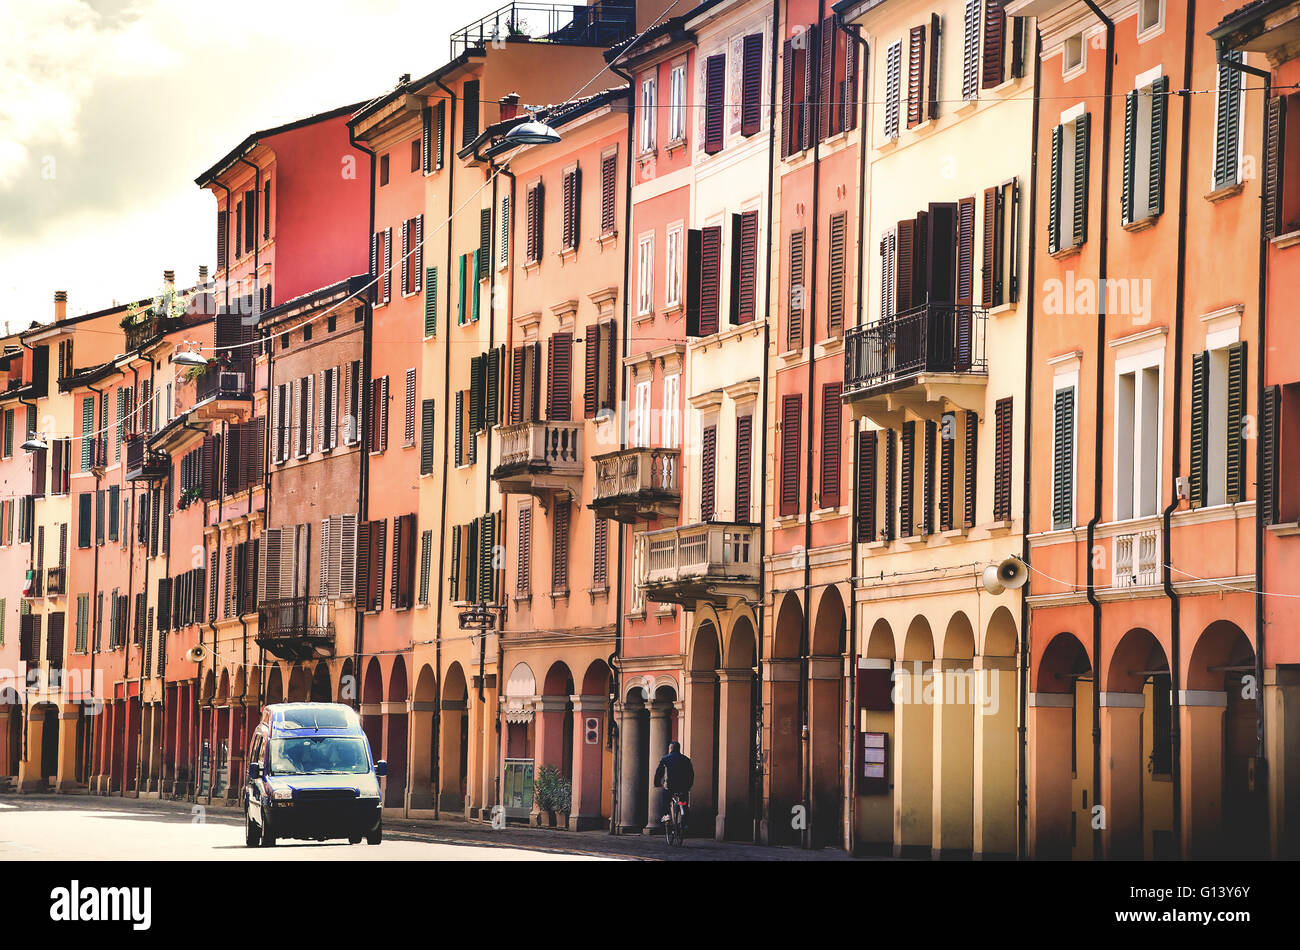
[
  {"x": 710, "y": 284},
  {"x": 402, "y": 589},
  {"x": 572, "y": 195},
  {"x": 600, "y": 391},
  {"x": 608, "y": 192},
  {"x": 791, "y": 421},
  {"x": 907, "y": 482},
  {"x": 744, "y": 266},
  {"x": 408, "y": 431},
  {"x": 378, "y": 415},
  {"x": 648, "y": 116},
  {"x": 1150, "y": 15},
  {"x": 526, "y": 383},
  {"x": 467, "y": 288},
  {"x": 535, "y": 209},
  {"x": 415, "y": 155},
  {"x": 751, "y": 84},
  {"x": 1145, "y": 112},
  {"x": 1002, "y": 460},
  {"x": 970, "y": 52},
  {"x": 1218, "y": 452},
  {"x": 1227, "y": 124},
  {"x": 1072, "y": 54},
  {"x": 708, "y": 471},
  {"x": 381, "y": 268},
  {"x": 372, "y": 540},
  {"x": 383, "y": 170},
  {"x": 995, "y": 43},
  {"x": 677, "y": 103},
  {"x": 832, "y": 427},
  {"x": 524, "y": 565},
  {"x": 641, "y": 414},
  {"x": 645, "y": 274},
  {"x": 745, "y": 466},
  {"x": 1137, "y": 441},
  {"x": 560, "y": 548},
  {"x": 559, "y": 375},
  {"x": 1063, "y": 453},
  {"x": 671, "y": 414},
  {"x": 893, "y": 87},
  {"x": 600, "y": 555},
  {"x": 504, "y": 242},
  {"x": 673, "y": 268},
  {"x": 469, "y": 128},
  {"x": 920, "y": 107},
  {"x": 1001, "y": 262},
  {"x": 1067, "y": 225},
  {"x": 1281, "y": 197},
  {"x": 715, "y": 91}
]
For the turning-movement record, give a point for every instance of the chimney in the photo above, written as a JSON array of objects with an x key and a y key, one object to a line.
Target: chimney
[
  {"x": 509, "y": 106},
  {"x": 169, "y": 279},
  {"x": 60, "y": 305},
  {"x": 203, "y": 275}
]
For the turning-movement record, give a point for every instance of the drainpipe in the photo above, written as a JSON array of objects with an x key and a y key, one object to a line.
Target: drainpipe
[
  {"x": 363, "y": 487},
  {"x": 139, "y": 738},
  {"x": 89, "y": 743},
  {"x": 1022, "y": 672},
  {"x": 1175, "y": 606},
  {"x": 31, "y": 547},
  {"x": 193, "y": 777},
  {"x": 1260, "y": 395},
  {"x": 616, "y": 658},
  {"x": 1098, "y": 413},
  {"x": 446, "y": 431},
  {"x": 851, "y": 745},
  {"x": 805, "y": 628}
]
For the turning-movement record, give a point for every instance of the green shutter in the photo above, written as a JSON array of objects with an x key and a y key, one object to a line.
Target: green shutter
[
  {"x": 473, "y": 265},
  {"x": 460, "y": 290},
  {"x": 471, "y": 561},
  {"x": 431, "y": 301},
  {"x": 87, "y": 432},
  {"x": 492, "y": 390},
  {"x": 1268, "y": 422},
  {"x": 1054, "y": 214},
  {"x": 1063, "y": 461},
  {"x": 1236, "y": 420},
  {"x": 1082, "y": 132},
  {"x": 455, "y": 563},
  {"x": 1130, "y": 154},
  {"x": 1159, "y": 121},
  {"x": 476, "y": 393},
  {"x": 1227, "y": 130},
  {"x": 1200, "y": 415},
  {"x": 460, "y": 427},
  {"x": 486, "y": 573}
]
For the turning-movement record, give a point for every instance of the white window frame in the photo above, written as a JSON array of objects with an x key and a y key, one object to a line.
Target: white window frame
[
  {"x": 1135, "y": 363},
  {"x": 677, "y": 102},
  {"x": 1063, "y": 381},
  {"x": 649, "y": 97},
  {"x": 1151, "y": 29},
  {"x": 670, "y": 412},
  {"x": 1143, "y": 85},
  {"x": 1069, "y": 70},
  {"x": 641, "y": 414},
  {"x": 673, "y": 266},
  {"x": 645, "y": 274}
]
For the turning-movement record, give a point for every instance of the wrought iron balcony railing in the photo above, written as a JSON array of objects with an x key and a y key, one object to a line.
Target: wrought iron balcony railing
[
  {"x": 707, "y": 561},
  {"x": 931, "y": 338},
  {"x": 297, "y": 628},
  {"x": 637, "y": 483},
  {"x": 224, "y": 384},
  {"x": 148, "y": 330},
  {"x": 142, "y": 464},
  {"x": 602, "y": 24},
  {"x": 56, "y": 581}
]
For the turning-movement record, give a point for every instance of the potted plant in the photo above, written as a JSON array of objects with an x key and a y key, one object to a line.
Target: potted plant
[
  {"x": 188, "y": 496},
  {"x": 553, "y": 794}
]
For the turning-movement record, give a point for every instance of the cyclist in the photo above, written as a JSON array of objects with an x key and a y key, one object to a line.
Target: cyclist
[{"x": 675, "y": 775}]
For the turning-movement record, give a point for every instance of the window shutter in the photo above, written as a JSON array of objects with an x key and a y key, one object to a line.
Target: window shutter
[
  {"x": 989, "y": 270},
  {"x": 710, "y": 279},
  {"x": 746, "y": 256},
  {"x": 487, "y": 592},
  {"x": 791, "y": 419},
  {"x": 866, "y": 500},
  {"x": 484, "y": 241},
  {"x": 927, "y": 482},
  {"x": 715, "y": 69},
  {"x": 164, "y": 603},
  {"x": 399, "y": 549},
  {"x": 795, "y": 310},
  {"x": 460, "y": 427},
  {"x": 1130, "y": 155},
  {"x": 1227, "y": 128},
  {"x": 1200, "y": 412},
  {"x": 947, "y": 446},
  {"x": 694, "y": 280},
  {"x": 523, "y": 566},
  {"x": 609, "y": 337},
  {"x": 1159, "y": 119},
  {"x": 431, "y": 301},
  {"x": 470, "y": 101},
  {"x": 907, "y": 482},
  {"x": 608, "y": 173},
  {"x": 378, "y": 545},
  {"x": 426, "y": 139},
  {"x": 426, "y": 564},
  {"x": 1236, "y": 481},
  {"x": 995, "y": 43},
  {"x": 406, "y": 256},
  {"x": 708, "y": 471},
  {"x": 932, "y": 104},
  {"x": 517, "y": 394},
  {"x": 888, "y": 272},
  {"x": 223, "y": 224},
  {"x": 832, "y": 425},
  {"x": 893, "y": 80},
  {"x": 970, "y": 52},
  {"x": 492, "y": 387},
  {"x": 426, "y": 437},
  {"x": 1082, "y": 130},
  {"x": 850, "y": 82},
  {"x": 1274, "y": 161},
  {"x": 84, "y": 515},
  {"x": 408, "y": 420},
  {"x": 972, "y": 468},
  {"x": 807, "y": 113},
  {"x": 349, "y": 536},
  {"x": 787, "y": 97},
  {"x": 1054, "y": 207},
  {"x": 826, "y": 79},
  {"x": 904, "y": 279},
  {"x": 388, "y": 264},
  {"x": 1063, "y": 461},
  {"x": 835, "y": 275},
  {"x": 364, "y": 566},
  {"x": 559, "y": 378},
  {"x": 590, "y": 396},
  {"x": 744, "y": 467},
  {"x": 417, "y": 255},
  {"x": 1268, "y": 426},
  {"x": 455, "y": 563},
  {"x": 272, "y": 551},
  {"x": 440, "y": 133},
  {"x": 1002, "y": 462},
  {"x": 560, "y": 548},
  {"x": 751, "y": 81}
]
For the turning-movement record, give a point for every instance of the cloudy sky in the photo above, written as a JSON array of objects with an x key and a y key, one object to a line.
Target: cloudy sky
[{"x": 110, "y": 108}]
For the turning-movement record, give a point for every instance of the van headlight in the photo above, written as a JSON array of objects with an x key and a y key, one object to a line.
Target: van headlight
[{"x": 282, "y": 794}]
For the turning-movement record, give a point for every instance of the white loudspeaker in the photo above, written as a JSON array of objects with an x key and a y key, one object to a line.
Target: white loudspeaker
[
  {"x": 194, "y": 654},
  {"x": 1008, "y": 574},
  {"x": 991, "y": 582}
]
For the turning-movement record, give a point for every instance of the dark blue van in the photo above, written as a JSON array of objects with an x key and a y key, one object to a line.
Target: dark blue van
[{"x": 311, "y": 775}]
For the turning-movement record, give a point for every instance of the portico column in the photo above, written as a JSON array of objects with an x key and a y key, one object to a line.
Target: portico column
[
  {"x": 697, "y": 742},
  {"x": 1282, "y": 732},
  {"x": 953, "y": 781},
  {"x": 6, "y": 723},
  {"x": 661, "y": 728},
  {"x": 631, "y": 766},
  {"x": 734, "y": 755},
  {"x": 996, "y": 764},
  {"x": 588, "y": 760},
  {"x": 1050, "y": 804},
  {"x": 913, "y": 755},
  {"x": 1203, "y": 712},
  {"x": 66, "y": 776},
  {"x": 449, "y": 773},
  {"x": 29, "y": 769},
  {"x": 1121, "y": 774},
  {"x": 421, "y": 718}
]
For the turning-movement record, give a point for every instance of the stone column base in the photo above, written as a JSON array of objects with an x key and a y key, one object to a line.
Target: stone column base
[{"x": 586, "y": 822}]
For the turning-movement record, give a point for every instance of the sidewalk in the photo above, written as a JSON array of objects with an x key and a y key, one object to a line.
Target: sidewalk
[{"x": 457, "y": 830}]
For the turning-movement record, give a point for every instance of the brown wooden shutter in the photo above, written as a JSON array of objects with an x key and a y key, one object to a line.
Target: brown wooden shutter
[
  {"x": 832, "y": 427},
  {"x": 904, "y": 267},
  {"x": 1274, "y": 162},
  {"x": 1268, "y": 433},
  {"x": 826, "y": 79},
  {"x": 932, "y": 105},
  {"x": 710, "y": 280},
  {"x": 748, "y": 258},
  {"x": 559, "y": 378},
  {"x": 796, "y": 308},
  {"x": 787, "y": 98},
  {"x": 791, "y": 420},
  {"x": 751, "y": 93},
  {"x": 570, "y": 208},
  {"x": 851, "y": 105},
  {"x": 694, "y": 280},
  {"x": 866, "y": 500},
  {"x": 533, "y": 368},
  {"x": 971, "y": 468},
  {"x": 990, "y": 245},
  {"x": 560, "y": 548},
  {"x": 808, "y": 64},
  {"x": 517, "y": 394},
  {"x": 1063, "y": 460},
  {"x": 947, "y": 444},
  {"x": 995, "y": 43},
  {"x": 708, "y": 471},
  {"x": 715, "y": 76},
  {"x": 1236, "y": 475},
  {"x": 591, "y": 354},
  {"x": 907, "y": 482},
  {"x": 1200, "y": 412},
  {"x": 744, "y": 465},
  {"x": 927, "y": 490},
  {"x": 836, "y": 275},
  {"x": 1002, "y": 462},
  {"x": 609, "y": 337},
  {"x": 915, "y": 76},
  {"x": 608, "y": 172}
]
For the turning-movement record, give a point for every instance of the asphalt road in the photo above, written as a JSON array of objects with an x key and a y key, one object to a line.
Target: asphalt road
[{"x": 90, "y": 829}]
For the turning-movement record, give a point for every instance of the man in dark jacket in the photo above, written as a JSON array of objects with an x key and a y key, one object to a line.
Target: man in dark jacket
[{"x": 675, "y": 774}]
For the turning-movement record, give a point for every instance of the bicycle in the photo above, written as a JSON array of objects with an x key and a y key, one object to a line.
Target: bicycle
[{"x": 675, "y": 826}]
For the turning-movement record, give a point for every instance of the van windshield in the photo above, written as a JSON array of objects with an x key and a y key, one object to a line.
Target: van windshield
[{"x": 319, "y": 755}]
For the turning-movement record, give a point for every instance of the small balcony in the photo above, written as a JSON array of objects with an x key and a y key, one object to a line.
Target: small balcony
[
  {"x": 148, "y": 329},
  {"x": 37, "y": 586},
  {"x": 223, "y": 394},
  {"x": 1136, "y": 559},
  {"x": 691, "y": 563},
  {"x": 142, "y": 464},
  {"x": 297, "y": 628},
  {"x": 922, "y": 361},
  {"x": 638, "y": 484},
  {"x": 603, "y": 24},
  {"x": 541, "y": 459},
  {"x": 56, "y": 581}
]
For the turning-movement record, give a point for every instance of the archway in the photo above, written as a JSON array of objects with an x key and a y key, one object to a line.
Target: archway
[
  {"x": 737, "y": 687},
  {"x": 634, "y": 760},
  {"x": 519, "y": 701},
  {"x": 372, "y": 706},
  {"x": 299, "y": 684},
  {"x": 1137, "y": 750},
  {"x": 592, "y": 769},
  {"x": 997, "y": 759},
  {"x": 702, "y": 711},
  {"x": 320, "y": 691},
  {"x": 1224, "y": 808},
  {"x": 826, "y": 720},
  {"x": 1060, "y": 763},
  {"x": 555, "y": 721},
  {"x": 956, "y": 694},
  {"x": 785, "y": 765},
  {"x": 874, "y": 773},
  {"x": 663, "y": 726},
  {"x": 396, "y": 730},
  {"x": 424, "y": 706},
  {"x": 453, "y": 740},
  {"x": 274, "y": 686},
  {"x": 914, "y": 737}
]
